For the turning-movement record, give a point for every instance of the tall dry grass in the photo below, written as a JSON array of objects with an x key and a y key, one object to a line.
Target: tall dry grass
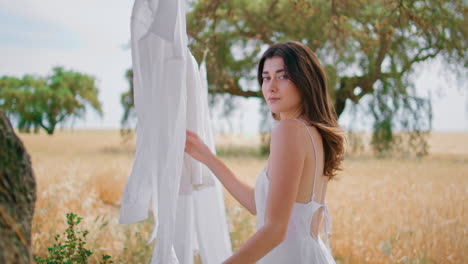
[
  {"x": 85, "y": 172},
  {"x": 383, "y": 210}
]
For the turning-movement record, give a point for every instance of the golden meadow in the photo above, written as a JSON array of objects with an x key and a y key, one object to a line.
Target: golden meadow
[{"x": 384, "y": 210}]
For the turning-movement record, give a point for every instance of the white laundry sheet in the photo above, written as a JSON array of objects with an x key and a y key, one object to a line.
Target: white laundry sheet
[{"x": 170, "y": 95}]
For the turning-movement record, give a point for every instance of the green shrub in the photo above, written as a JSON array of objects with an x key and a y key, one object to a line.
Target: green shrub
[{"x": 69, "y": 248}]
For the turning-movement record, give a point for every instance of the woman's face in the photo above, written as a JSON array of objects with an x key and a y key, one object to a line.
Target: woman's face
[{"x": 279, "y": 91}]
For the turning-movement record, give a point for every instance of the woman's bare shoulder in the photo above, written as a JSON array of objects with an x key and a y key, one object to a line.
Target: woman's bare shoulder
[
  {"x": 288, "y": 136},
  {"x": 287, "y": 127}
]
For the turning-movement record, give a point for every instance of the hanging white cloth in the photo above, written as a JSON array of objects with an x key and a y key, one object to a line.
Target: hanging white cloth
[{"x": 170, "y": 95}]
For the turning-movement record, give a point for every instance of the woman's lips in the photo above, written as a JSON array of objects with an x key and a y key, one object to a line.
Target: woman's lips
[{"x": 272, "y": 100}]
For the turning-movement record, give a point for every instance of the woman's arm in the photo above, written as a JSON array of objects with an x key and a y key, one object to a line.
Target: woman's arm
[
  {"x": 285, "y": 167},
  {"x": 241, "y": 191},
  {"x": 263, "y": 241}
]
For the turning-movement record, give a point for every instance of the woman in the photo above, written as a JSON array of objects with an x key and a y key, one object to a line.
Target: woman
[{"x": 306, "y": 150}]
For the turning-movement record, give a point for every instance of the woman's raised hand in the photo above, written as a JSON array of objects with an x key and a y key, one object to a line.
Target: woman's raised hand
[{"x": 196, "y": 148}]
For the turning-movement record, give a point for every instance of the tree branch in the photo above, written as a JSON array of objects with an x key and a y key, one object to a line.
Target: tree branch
[
  {"x": 418, "y": 59},
  {"x": 234, "y": 89}
]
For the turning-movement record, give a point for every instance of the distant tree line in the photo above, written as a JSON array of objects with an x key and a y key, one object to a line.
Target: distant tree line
[{"x": 369, "y": 49}]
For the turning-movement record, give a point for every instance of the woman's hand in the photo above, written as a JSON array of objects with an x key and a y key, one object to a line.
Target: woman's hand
[{"x": 197, "y": 148}]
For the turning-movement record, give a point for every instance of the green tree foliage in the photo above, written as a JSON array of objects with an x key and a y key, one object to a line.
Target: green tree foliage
[
  {"x": 36, "y": 102},
  {"x": 368, "y": 47},
  {"x": 126, "y": 100}
]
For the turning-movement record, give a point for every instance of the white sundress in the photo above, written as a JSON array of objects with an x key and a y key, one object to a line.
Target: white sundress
[{"x": 300, "y": 246}]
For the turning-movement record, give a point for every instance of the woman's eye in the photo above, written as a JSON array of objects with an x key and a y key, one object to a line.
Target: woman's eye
[
  {"x": 283, "y": 76},
  {"x": 266, "y": 78}
]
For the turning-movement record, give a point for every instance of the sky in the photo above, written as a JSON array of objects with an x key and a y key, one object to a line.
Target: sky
[{"x": 92, "y": 37}]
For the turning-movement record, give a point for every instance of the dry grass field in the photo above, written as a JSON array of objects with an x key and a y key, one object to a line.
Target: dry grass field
[{"x": 383, "y": 210}]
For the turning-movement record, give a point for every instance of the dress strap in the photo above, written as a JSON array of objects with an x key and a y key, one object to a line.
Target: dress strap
[
  {"x": 327, "y": 220},
  {"x": 327, "y": 226},
  {"x": 315, "y": 154}
]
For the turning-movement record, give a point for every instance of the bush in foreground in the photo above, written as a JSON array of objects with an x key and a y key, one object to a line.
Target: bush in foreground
[{"x": 70, "y": 248}]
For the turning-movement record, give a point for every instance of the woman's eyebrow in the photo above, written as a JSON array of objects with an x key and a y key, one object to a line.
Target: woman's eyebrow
[{"x": 277, "y": 71}]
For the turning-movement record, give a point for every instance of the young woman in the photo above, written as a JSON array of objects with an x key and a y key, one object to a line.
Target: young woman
[{"x": 306, "y": 150}]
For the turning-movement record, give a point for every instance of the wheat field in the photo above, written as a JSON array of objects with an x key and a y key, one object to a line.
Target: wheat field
[{"x": 383, "y": 210}]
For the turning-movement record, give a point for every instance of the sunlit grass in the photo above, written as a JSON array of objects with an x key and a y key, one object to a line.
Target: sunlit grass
[{"x": 383, "y": 210}]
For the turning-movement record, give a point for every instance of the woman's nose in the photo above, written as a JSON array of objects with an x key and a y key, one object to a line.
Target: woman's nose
[{"x": 272, "y": 86}]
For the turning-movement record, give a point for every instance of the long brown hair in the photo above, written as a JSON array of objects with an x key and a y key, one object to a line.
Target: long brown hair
[{"x": 305, "y": 71}]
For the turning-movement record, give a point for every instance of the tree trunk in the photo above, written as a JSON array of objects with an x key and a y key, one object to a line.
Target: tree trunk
[
  {"x": 339, "y": 106},
  {"x": 17, "y": 197}
]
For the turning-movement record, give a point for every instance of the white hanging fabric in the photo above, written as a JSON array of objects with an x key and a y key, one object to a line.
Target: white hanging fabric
[{"x": 170, "y": 95}]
